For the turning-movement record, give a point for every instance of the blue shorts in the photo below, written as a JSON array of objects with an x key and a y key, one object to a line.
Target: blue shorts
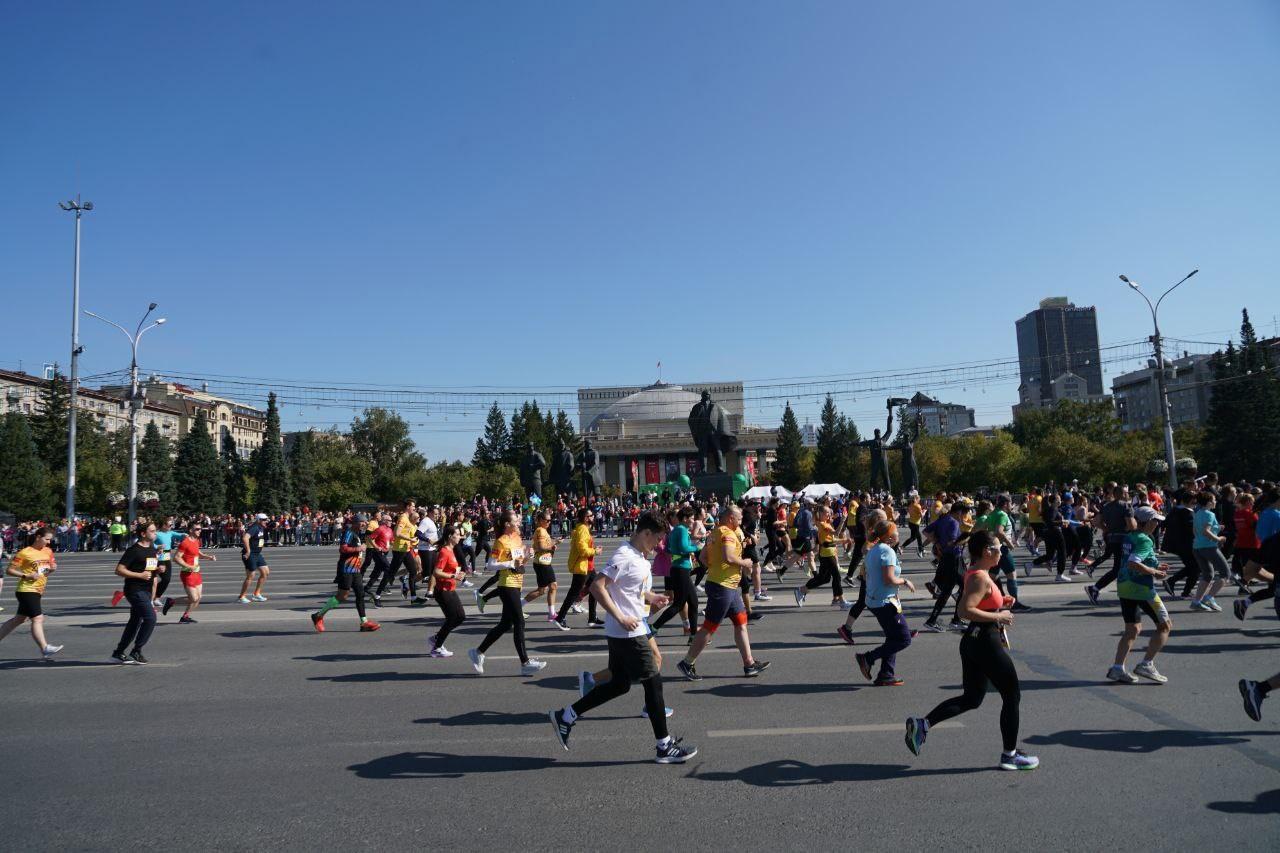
[
  {"x": 722, "y": 603},
  {"x": 253, "y": 562}
]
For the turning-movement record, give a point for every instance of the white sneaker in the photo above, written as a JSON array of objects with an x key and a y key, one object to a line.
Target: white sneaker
[
  {"x": 157, "y": 603},
  {"x": 577, "y": 608},
  {"x": 50, "y": 651},
  {"x": 244, "y": 599},
  {"x": 258, "y": 597},
  {"x": 1064, "y": 579},
  {"x": 799, "y": 593},
  {"x": 477, "y": 661},
  {"x": 532, "y": 666},
  {"x": 760, "y": 596},
  {"x": 1148, "y": 670},
  {"x": 1017, "y": 760},
  {"x": 1120, "y": 675},
  {"x": 441, "y": 652},
  {"x": 467, "y": 584}
]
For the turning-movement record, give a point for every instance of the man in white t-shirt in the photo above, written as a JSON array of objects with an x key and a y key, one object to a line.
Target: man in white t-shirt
[
  {"x": 624, "y": 588},
  {"x": 428, "y": 538}
]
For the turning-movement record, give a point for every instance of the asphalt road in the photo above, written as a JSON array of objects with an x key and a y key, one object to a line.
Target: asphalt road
[{"x": 250, "y": 731}]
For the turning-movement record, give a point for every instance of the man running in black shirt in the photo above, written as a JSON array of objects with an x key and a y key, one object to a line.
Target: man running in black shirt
[{"x": 137, "y": 566}]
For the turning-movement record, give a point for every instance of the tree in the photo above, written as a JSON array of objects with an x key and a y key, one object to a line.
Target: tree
[
  {"x": 302, "y": 469},
  {"x": 343, "y": 477},
  {"x": 491, "y": 446},
  {"x": 197, "y": 476},
  {"x": 273, "y": 494},
  {"x": 564, "y": 431},
  {"x": 24, "y": 489},
  {"x": 1242, "y": 435},
  {"x": 516, "y": 438},
  {"x": 1096, "y": 422},
  {"x": 235, "y": 486},
  {"x": 155, "y": 465},
  {"x": 793, "y": 465},
  {"x": 381, "y": 438},
  {"x": 829, "y": 462},
  {"x": 49, "y": 422},
  {"x": 96, "y": 476},
  {"x": 499, "y": 482}
]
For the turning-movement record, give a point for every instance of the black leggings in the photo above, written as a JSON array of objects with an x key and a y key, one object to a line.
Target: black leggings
[
  {"x": 861, "y": 604},
  {"x": 512, "y": 619},
  {"x": 828, "y": 572},
  {"x": 946, "y": 580},
  {"x": 616, "y": 686},
  {"x": 858, "y": 546},
  {"x": 685, "y": 593},
  {"x": 1115, "y": 548},
  {"x": 380, "y": 567},
  {"x": 453, "y": 613},
  {"x": 399, "y": 560},
  {"x": 1190, "y": 571},
  {"x": 1055, "y": 548},
  {"x": 983, "y": 658},
  {"x": 914, "y": 537},
  {"x": 163, "y": 583}
]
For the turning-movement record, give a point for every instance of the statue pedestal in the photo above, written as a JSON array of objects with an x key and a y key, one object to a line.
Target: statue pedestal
[{"x": 708, "y": 484}]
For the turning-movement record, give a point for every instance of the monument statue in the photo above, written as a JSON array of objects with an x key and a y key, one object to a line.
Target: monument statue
[
  {"x": 907, "y": 440},
  {"x": 531, "y": 470},
  {"x": 876, "y": 444},
  {"x": 562, "y": 470},
  {"x": 709, "y": 424},
  {"x": 588, "y": 462}
]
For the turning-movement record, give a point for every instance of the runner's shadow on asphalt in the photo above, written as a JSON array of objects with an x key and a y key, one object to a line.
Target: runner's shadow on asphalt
[
  {"x": 1037, "y": 684},
  {"x": 1213, "y": 648},
  {"x": 440, "y": 765},
  {"x": 244, "y": 635},
  {"x": 1142, "y": 742},
  {"x": 367, "y": 677},
  {"x": 1268, "y": 802},
  {"x": 57, "y": 664},
  {"x": 786, "y": 773},
  {"x": 760, "y": 689},
  {"x": 349, "y": 658}
]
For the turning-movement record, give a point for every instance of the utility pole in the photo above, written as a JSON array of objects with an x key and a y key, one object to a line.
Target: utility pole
[{"x": 80, "y": 208}]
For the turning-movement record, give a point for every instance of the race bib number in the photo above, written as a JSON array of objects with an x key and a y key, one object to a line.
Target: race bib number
[
  {"x": 543, "y": 559},
  {"x": 152, "y": 564}
]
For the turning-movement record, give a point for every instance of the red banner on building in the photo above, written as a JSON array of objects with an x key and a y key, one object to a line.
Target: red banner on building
[
  {"x": 652, "y": 471},
  {"x": 751, "y": 467},
  {"x": 694, "y": 465},
  {"x": 635, "y": 474}
]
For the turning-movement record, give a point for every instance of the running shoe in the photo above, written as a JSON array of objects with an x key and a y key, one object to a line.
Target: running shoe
[
  {"x": 1092, "y": 592},
  {"x": 755, "y": 616},
  {"x": 1148, "y": 670},
  {"x": 156, "y": 603},
  {"x": 761, "y": 596},
  {"x": 186, "y": 620},
  {"x": 137, "y": 657},
  {"x": 369, "y": 625},
  {"x": 595, "y": 623},
  {"x": 1240, "y": 607},
  {"x": 1120, "y": 675},
  {"x": 888, "y": 682},
  {"x": 644, "y": 712},
  {"x": 563, "y": 728},
  {"x": 754, "y": 668},
  {"x": 376, "y": 599},
  {"x": 480, "y": 602},
  {"x": 244, "y": 599},
  {"x": 1252, "y": 699},
  {"x": 932, "y": 587},
  {"x": 257, "y": 596},
  {"x": 1212, "y": 604},
  {"x": 1019, "y": 607},
  {"x": 164, "y": 610},
  {"x": 864, "y": 666},
  {"x": 1018, "y": 760},
  {"x": 845, "y": 634},
  {"x": 50, "y": 651},
  {"x": 586, "y": 681},
  {"x": 932, "y": 628},
  {"x": 1199, "y": 605},
  {"x": 688, "y": 671},
  {"x": 799, "y": 593},
  {"x": 917, "y": 731},
  {"x": 477, "y": 661},
  {"x": 1026, "y": 569},
  {"x": 956, "y": 626},
  {"x": 674, "y": 753},
  {"x": 116, "y": 597},
  {"x": 418, "y": 602},
  {"x": 532, "y": 666},
  {"x": 575, "y": 608},
  {"x": 1168, "y": 587},
  {"x": 404, "y": 587},
  {"x": 121, "y": 657},
  {"x": 561, "y": 624},
  {"x": 1063, "y": 578},
  {"x": 317, "y": 620},
  {"x": 441, "y": 652},
  {"x": 843, "y": 605}
]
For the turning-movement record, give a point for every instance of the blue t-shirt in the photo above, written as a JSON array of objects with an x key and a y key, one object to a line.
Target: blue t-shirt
[
  {"x": 1268, "y": 523},
  {"x": 164, "y": 543},
  {"x": 1205, "y": 516},
  {"x": 946, "y": 530},
  {"x": 880, "y": 593}
]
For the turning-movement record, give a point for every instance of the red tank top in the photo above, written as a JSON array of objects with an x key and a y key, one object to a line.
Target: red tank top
[{"x": 993, "y": 600}]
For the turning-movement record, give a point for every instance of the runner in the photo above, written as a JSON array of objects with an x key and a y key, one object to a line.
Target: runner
[
  {"x": 1117, "y": 524},
  {"x": 828, "y": 564},
  {"x": 137, "y": 566},
  {"x": 996, "y": 521},
  {"x": 949, "y": 539},
  {"x": 164, "y": 553},
  {"x": 377, "y": 550},
  {"x": 252, "y": 544},
  {"x": 872, "y": 520},
  {"x": 509, "y": 558},
  {"x": 915, "y": 512},
  {"x": 984, "y": 657},
  {"x": 725, "y": 565},
  {"x": 404, "y": 552},
  {"x": 349, "y": 577},
  {"x": 1214, "y": 568},
  {"x": 32, "y": 566},
  {"x": 582, "y": 558},
  {"x": 544, "y": 550},
  {"x": 445, "y": 574},
  {"x": 1265, "y": 565},
  {"x": 1137, "y": 591},
  {"x": 625, "y": 590},
  {"x": 1253, "y": 692},
  {"x": 428, "y": 538},
  {"x": 188, "y": 556},
  {"x": 681, "y": 547},
  {"x": 882, "y": 581}
]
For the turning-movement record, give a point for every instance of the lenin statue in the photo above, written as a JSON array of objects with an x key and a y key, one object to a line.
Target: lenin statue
[
  {"x": 709, "y": 424},
  {"x": 562, "y": 470},
  {"x": 588, "y": 462},
  {"x": 531, "y": 471}
]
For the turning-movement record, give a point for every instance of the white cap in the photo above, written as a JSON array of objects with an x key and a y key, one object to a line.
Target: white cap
[{"x": 262, "y": 516}]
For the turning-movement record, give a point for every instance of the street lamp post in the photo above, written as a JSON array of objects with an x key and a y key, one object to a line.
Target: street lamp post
[
  {"x": 135, "y": 402},
  {"x": 1161, "y": 386},
  {"x": 80, "y": 208}
]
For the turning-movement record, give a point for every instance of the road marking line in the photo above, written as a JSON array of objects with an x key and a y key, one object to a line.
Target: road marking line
[{"x": 825, "y": 730}]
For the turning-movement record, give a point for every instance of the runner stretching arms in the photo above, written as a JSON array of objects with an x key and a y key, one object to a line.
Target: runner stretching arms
[{"x": 983, "y": 657}]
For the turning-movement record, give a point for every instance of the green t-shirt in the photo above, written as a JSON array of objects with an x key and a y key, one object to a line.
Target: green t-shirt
[
  {"x": 1134, "y": 584},
  {"x": 996, "y": 521}
]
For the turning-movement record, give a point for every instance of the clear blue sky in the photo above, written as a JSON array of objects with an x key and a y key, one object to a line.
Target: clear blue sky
[{"x": 561, "y": 194}]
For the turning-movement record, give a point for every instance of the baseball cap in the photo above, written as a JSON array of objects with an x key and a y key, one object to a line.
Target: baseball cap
[
  {"x": 262, "y": 516},
  {"x": 1143, "y": 514}
]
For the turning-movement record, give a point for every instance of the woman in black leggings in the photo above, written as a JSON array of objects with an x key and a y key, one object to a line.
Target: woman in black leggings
[
  {"x": 1055, "y": 545},
  {"x": 983, "y": 657},
  {"x": 446, "y": 573},
  {"x": 681, "y": 547}
]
